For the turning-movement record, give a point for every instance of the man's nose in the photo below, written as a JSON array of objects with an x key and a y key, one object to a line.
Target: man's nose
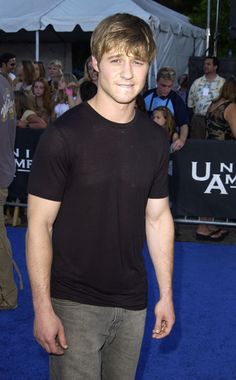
[{"x": 127, "y": 70}]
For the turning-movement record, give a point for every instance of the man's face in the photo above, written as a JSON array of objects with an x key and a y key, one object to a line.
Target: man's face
[
  {"x": 209, "y": 67},
  {"x": 10, "y": 65},
  {"x": 121, "y": 77},
  {"x": 164, "y": 86}
]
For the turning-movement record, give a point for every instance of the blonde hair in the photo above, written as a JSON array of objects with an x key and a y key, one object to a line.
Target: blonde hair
[
  {"x": 125, "y": 33},
  {"x": 23, "y": 102},
  {"x": 167, "y": 73}
]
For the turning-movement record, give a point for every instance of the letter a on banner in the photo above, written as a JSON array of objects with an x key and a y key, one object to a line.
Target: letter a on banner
[{"x": 215, "y": 184}]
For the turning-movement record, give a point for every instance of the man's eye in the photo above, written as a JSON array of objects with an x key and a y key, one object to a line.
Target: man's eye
[{"x": 137, "y": 62}]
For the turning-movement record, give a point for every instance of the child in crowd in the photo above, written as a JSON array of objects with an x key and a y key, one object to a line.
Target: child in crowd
[
  {"x": 25, "y": 112},
  {"x": 163, "y": 116},
  {"x": 42, "y": 99}
]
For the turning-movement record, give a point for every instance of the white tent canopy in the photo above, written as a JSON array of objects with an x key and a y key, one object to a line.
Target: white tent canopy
[{"x": 176, "y": 37}]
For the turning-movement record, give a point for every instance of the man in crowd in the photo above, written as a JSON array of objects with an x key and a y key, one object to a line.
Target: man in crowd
[
  {"x": 7, "y": 65},
  {"x": 163, "y": 95},
  {"x": 201, "y": 93},
  {"x": 8, "y": 289},
  {"x": 100, "y": 171}
]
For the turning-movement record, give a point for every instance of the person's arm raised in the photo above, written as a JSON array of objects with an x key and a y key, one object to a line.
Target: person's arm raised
[{"x": 48, "y": 329}]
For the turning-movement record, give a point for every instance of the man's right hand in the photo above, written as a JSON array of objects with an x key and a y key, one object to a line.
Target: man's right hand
[{"x": 49, "y": 332}]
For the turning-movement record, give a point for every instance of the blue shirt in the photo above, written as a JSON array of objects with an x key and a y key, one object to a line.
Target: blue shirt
[{"x": 173, "y": 101}]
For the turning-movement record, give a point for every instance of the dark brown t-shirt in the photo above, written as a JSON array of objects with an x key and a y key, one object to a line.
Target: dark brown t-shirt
[{"x": 103, "y": 174}]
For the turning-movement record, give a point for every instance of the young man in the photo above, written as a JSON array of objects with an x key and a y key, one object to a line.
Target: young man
[
  {"x": 100, "y": 170},
  {"x": 8, "y": 65},
  {"x": 163, "y": 95},
  {"x": 201, "y": 94}
]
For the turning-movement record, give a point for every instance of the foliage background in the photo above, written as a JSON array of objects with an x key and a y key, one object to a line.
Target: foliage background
[{"x": 197, "y": 12}]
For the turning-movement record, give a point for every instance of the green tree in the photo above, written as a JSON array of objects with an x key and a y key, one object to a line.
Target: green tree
[
  {"x": 197, "y": 12},
  {"x": 198, "y": 16}
]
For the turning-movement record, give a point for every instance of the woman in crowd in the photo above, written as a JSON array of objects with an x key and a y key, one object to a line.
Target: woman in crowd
[
  {"x": 90, "y": 75},
  {"x": 221, "y": 125},
  {"x": 42, "y": 99},
  {"x": 27, "y": 74},
  {"x": 89, "y": 72},
  {"x": 64, "y": 96},
  {"x": 25, "y": 112},
  {"x": 55, "y": 71},
  {"x": 39, "y": 69},
  {"x": 221, "y": 115}
]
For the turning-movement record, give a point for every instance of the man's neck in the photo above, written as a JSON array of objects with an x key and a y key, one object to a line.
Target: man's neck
[
  {"x": 113, "y": 111},
  {"x": 162, "y": 96},
  {"x": 210, "y": 77}
]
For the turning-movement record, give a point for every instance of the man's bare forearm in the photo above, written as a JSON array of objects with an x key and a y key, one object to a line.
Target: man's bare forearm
[
  {"x": 160, "y": 240},
  {"x": 39, "y": 259}
]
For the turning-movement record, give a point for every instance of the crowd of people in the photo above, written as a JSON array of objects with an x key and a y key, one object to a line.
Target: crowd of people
[{"x": 42, "y": 95}]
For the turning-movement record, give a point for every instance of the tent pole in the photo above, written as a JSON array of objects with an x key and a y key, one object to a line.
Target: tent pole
[
  {"x": 37, "y": 45},
  {"x": 216, "y": 28},
  {"x": 208, "y": 28}
]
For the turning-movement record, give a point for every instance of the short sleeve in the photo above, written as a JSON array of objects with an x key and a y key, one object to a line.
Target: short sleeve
[
  {"x": 26, "y": 114},
  {"x": 191, "y": 96},
  {"x": 51, "y": 165},
  {"x": 159, "y": 188},
  {"x": 181, "y": 113}
]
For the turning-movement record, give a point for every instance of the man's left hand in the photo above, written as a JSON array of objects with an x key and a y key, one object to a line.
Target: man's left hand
[{"x": 165, "y": 318}]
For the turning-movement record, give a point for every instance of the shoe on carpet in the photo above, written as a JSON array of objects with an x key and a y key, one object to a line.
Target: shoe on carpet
[
  {"x": 6, "y": 306},
  {"x": 211, "y": 236}
]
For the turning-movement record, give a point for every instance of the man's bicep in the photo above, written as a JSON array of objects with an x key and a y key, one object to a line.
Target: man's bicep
[{"x": 42, "y": 210}]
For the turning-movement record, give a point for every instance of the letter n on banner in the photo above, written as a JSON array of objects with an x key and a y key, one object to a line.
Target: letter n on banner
[{"x": 204, "y": 179}]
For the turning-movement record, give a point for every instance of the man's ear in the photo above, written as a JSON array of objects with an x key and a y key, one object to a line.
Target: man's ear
[{"x": 95, "y": 63}]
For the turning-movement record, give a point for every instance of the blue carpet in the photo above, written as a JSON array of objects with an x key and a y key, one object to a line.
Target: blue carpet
[{"x": 202, "y": 345}]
